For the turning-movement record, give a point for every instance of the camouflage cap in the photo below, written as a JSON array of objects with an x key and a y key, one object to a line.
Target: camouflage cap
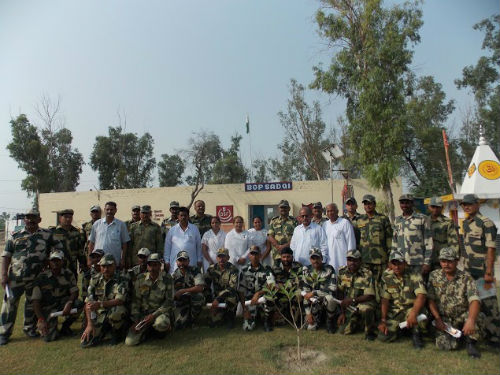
[
  {"x": 436, "y": 201},
  {"x": 448, "y": 253},
  {"x": 97, "y": 252},
  {"x": 284, "y": 203},
  {"x": 222, "y": 251},
  {"x": 144, "y": 251},
  {"x": 287, "y": 250},
  {"x": 406, "y": 197},
  {"x": 66, "y": 211},
  {"x": 351, "y": 200},
  {"x": 56, "y": 254},
  {"x": 95, "y": 208},
  {"x": 107, "y": 260},
  {"x": 396, "y": 255},
  {"x": 155, "y": 257},
  {"x": 146, "y": 209},
  {"x": 354, "y": 254},
  {"x": 135, "y": 207},
  {"x": 182, "y": 255},
  {"x": 254, "y": 249},
  {"x": 33, "y": 212},
  {"x": 470, "y": 199},
  {"x": 368, "y": 198},
  {"x": 317, "y": 205},
  {"x": 174, "y": 204},
  {"x": 315, "y": 252}
]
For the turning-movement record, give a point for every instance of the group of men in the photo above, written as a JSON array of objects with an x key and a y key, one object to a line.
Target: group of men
[{"x": 356, "y": 272}]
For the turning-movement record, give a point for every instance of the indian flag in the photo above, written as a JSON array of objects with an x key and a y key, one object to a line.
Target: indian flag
[{"x": 247, "y": 122}]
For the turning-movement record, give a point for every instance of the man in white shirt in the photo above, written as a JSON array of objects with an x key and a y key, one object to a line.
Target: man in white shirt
[
  {"x": 340, "y": 234},
  {"x": 182, "y": 237},
  {"x": 306, "y": 236}
]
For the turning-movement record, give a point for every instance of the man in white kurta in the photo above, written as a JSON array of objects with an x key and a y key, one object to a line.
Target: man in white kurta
[
  {"x": 340, "y": 235},
  {"x": 182, "y": 237},
  {"x": 306, "y": 236}
]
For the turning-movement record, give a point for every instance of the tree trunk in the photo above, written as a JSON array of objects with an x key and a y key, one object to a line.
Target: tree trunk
[
  {"x": 299, "y": 357},
  {"x": 390, "y": 201}
]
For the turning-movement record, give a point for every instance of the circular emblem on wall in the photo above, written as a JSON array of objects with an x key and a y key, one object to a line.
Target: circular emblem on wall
[
  {"x": 489, "y": 169},
  {"x": 471, "y": 170}
]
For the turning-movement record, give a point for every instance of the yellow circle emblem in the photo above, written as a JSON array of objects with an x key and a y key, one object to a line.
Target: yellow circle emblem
[
  {"x": 489, "y": 169},
  {"x": 471, "y": 170}
]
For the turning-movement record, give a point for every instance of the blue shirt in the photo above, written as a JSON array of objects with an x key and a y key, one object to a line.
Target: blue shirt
[{"x": 109, "y": 237}]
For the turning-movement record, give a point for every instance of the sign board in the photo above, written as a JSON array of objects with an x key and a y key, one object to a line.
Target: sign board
[
  {"x": 158, "y": 215},
  {"x": 225, "y": 214},
  {"x": 268, "y": 186}
]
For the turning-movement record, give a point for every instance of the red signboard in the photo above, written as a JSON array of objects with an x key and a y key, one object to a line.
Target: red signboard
[{"x": 225, "y": 213}]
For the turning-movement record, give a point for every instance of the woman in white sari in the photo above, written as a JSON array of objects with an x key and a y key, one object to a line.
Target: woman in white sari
[
  {"x": 212, "y": 241},
  {"x": 237, "y": 242},
  {"x": 258, "y": 237}
]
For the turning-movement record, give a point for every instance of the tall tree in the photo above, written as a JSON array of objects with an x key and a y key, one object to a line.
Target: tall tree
[
  {"x": 229, "y": 169},
  {"x": 123, "y": 160},
  {"x": 371, "y": 58},
  {"x": 261, "y": 170},
  {"x": 204, "y": 150},
  {"x": 170, "y": 170},
  {"x": 47, "y": 157},
  {"x": 483, "y": 80}
]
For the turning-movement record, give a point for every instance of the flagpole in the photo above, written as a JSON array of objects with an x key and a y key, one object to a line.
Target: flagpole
[{"x": 250, "y": 146}]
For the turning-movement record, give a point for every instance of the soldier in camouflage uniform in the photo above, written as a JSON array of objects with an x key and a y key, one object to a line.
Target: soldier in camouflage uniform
[
  {"x": 55, "y": 290},
  {"x": 104, "y": 307},
  {"x": 92, "y": 271},
  {"x": 253, "y": 278},
  {"x": 152, "y": 303},
  {"x": 144, "y": 233},
  {"x": 317, "y": 212},
  {"x": 318, "y": 288},
  {"x": 454, "y": 300},
  {"x": 283, "y": 270},
  {"x": 412, "y": 237},
  {"x": 479, "y": 241},
  {"x": 140, "y": 267},
  {"x": 403, "y": 299},
  {"x": 73, "y": 241},
  {"x": 375, "y": 240},
  {"x": 201, "y": 220},
  {"x": 95, "y": 214},
  {"x": 222, "y": 277},
  {"x": 355, "y": 287},
  {"x": 442, "y": 230},
  {"x": 188, "y": 291},
  {"x": 136, "y": 216},
  {"x": 352, "y": 215},
  {"x": 169, "y": 222},
  {"x": 23, "y": 259},
  {"x": 281, "y": 229}
]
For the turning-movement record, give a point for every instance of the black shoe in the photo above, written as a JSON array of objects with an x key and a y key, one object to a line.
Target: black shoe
[
  {"x": 31, "y": 333},
  {"x": 330, "y": 326},
  {"x": 66, "y": 331},
  {"x": 370, "y": 336},
  {"x": 268, "y": 325},
  {"x": 417, "y": 340},
  {"x": 3, "y": 340},
  {"x": 472, "y": 349},
  {"x": 230, "y": 323},
  {"x": 92, "y": 342},
  {"x": 116, "y": 337}
]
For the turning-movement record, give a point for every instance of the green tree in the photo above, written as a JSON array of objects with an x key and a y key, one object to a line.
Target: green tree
[
  {"x": 261, "y": 170},
  {"x": 46, "y": 155},
  {"x": 483, "y": 80},
  {"x": 170, "y": 170},
  {"x": 229, "y": 169},
  {"x": 372, "y": 57},
  {"x": 123, "y": 160},
  {"x": 3, "y": 218}
]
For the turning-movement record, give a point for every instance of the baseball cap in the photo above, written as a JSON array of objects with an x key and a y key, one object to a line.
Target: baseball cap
[
  {"x": 448, "y": 253},
  {"x": 95, "y": 208},
  {"x": 315, "y": 252},
  {"x": 317, "y": 205},
  {"x": 56, "y": 254},
  {"x": 155, "y": 257},
  {"x": 136, "y": 207},
  {"x": 470, "y": 199},
  {"x": 97, "y": 252},
  {"x": 396, "y": 255},
  {"x": 33, "y": 212},
  {"x": 353, "y": 254},
  {"x": 182, "y": 255},
  {"x": 107, "y": 260},
  {"x": 223, "y": 251},
  {"x": 66, "y": 211},
  {"x": 287, "y": 250},
  {"x": 144, "y": 251},
  {"x": 406, "y": 197},
  {"x": 174, "y": 204},
  {"x": 436, "y": 201},
  {"x": 146, "y": 209},
  {"x": 351, "y": 200},
  {"x": 283, "y": 203},
  {"x": 254, "y": 249},
  {"x": 368, "y": 198}
]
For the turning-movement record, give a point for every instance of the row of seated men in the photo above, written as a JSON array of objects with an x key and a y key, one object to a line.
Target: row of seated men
[{"x": 145, "y": 301}]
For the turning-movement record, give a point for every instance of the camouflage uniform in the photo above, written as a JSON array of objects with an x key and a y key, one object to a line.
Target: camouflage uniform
[
  {"x": 412, "y": 237},
  {"x": 73, "y": 241},
  {"x": 443, "y": 235},
  {"x": 479, "y": 235},
  {"x": 86, "y": 277},
  {"x": 151, "y": 297},
  {"x": 280, "y": 276},
  {"x": 323, "y": 284},
  {"x": 203, "y": 223},
  {"x": 253, "y": 280},
  {"x": 128, "y": 224},
  {"x": 401, "y": 294},
  {"x": 354, "y": 285},
  {"x": 165, "y": 226},
  {"x": 224, "y": 285},
  {"x": 452, "y": 298},
  {"x": 353, "y": 221},
  {"x": 101, "y": 290},
  {"x": 28, "y": 253},
  {"x": 144, "y": 235},
  {"x": 375, "y": 244},
  {"x": 87, "y": 228},
  {"x": 53, "y": 292},
  {"x": 319, "y": 221},
  {"x": 188, "y": 307},
  {"x": 282, "y": 231}
]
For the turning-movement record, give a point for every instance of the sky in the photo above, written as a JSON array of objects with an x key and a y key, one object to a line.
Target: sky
[{"x": 172, "y": 68}]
